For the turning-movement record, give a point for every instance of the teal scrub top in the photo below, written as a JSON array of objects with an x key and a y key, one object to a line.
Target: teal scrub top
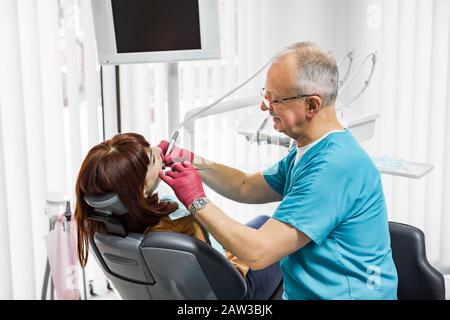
[{"x": 334, "y": 195}]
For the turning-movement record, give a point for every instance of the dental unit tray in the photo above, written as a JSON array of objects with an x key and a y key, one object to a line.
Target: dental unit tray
[{"x": 400, "y": 167}]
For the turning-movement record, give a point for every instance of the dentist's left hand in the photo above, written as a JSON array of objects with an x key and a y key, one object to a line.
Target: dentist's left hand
[
  {"x": 176, "y": 155},
  {"x": 184, "y": 181}
]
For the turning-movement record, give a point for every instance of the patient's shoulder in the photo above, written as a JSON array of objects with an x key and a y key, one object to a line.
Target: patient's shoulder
[{"x": 186, "y": 225}]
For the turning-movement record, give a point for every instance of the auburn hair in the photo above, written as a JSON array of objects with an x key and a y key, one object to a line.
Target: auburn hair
[{"x": 117, "y": 165}]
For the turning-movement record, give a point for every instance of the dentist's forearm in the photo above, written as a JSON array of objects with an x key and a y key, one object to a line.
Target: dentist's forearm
[
  {"x": 244, "y": 242},
  {"x": 224, "y": 180}
]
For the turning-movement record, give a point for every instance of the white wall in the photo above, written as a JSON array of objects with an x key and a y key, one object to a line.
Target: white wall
[
  {"x": 304, "y": 20},
  {"x": 411, "y": 37}
]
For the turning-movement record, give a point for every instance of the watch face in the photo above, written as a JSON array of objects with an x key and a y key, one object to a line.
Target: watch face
[{"x": 198, "y": 203}]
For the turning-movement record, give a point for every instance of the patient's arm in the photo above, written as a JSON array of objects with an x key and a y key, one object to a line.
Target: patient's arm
[{"x": 235, "y": 184}]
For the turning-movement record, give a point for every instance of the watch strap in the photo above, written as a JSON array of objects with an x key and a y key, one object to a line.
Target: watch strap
[{"x": 192, "y": 208}]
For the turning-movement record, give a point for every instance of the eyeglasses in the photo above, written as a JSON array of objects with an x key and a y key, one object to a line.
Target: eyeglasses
[{"x": 268, "y": 103}]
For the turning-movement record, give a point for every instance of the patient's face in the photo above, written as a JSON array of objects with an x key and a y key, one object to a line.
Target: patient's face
[{"x": 153, "y": 169}]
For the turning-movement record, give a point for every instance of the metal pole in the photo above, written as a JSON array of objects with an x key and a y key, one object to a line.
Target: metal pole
[
  {"x": 47, "y": 278},
  {"x": 119, "y": 120},
  {"x": 45, "y": 283},
  {"x": 173, "y": 99},
  {"x": 103, "y": 102}
]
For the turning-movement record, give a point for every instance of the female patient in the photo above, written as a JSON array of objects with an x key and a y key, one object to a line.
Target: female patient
[{"x": 128, "y": 166}]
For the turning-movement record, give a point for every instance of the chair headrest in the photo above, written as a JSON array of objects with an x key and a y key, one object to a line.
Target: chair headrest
[
  {"x": 107, "y": 207},
  {"x": 108, "y": 203}
]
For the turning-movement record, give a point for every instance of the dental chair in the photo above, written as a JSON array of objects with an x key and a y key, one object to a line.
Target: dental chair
[
  {"x": 417, "y": 278},
  {"x": 160, "y": 265}
]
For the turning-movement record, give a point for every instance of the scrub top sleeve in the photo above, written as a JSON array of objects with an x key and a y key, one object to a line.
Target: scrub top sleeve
[
  {"x": 315, "y": 203},
  {"x": 275, "y": 175}
]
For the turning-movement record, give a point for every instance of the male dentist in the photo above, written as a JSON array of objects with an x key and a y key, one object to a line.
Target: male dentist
[{"x": 330, "y": 230}]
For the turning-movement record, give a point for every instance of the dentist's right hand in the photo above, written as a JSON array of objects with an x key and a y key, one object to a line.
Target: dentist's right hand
[
  {"x": 184, "y": 181},
  {"x": 176, "y": 155}
]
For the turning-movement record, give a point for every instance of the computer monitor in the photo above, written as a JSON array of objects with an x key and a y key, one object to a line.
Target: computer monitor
[{"x": 137, "y": 31}]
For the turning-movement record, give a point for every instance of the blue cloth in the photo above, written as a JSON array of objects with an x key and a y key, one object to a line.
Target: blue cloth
[
  {"x": 181, "y": 211},
  {"x": 334, "y": 195}
]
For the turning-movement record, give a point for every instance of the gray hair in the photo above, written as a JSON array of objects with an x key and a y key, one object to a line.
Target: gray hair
[{"x": 317, "y": 71}]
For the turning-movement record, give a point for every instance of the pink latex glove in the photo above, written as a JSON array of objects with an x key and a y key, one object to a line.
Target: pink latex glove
[
  {"x": 184, "y": 181},
  {"x": 177, "y": 154}
]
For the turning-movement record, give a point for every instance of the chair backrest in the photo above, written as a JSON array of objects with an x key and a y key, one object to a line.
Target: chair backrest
[
  {"x": 166, "y": 265},
  {"x": 417, "y": 278},
  {"x": 160, "y": 265}
]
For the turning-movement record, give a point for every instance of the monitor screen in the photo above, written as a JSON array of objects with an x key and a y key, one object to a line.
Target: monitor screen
[
  {"x": 135, "y": 31},
  {"x": 157, "y": 25}
]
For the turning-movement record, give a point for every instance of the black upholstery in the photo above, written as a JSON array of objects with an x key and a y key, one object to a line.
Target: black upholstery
[
  {"x": 417, "y": 278},
  {"x": 223, "y": 278},
  {"x": 166, "y": 265},
  {"x": 160, "y": 265}
]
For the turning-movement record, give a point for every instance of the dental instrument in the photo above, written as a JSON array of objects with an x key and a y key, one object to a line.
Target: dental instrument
[{"x": 172, "y": 142}]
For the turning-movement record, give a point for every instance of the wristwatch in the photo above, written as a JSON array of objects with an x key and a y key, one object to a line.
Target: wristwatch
[{"x": 198, "y": 204}]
